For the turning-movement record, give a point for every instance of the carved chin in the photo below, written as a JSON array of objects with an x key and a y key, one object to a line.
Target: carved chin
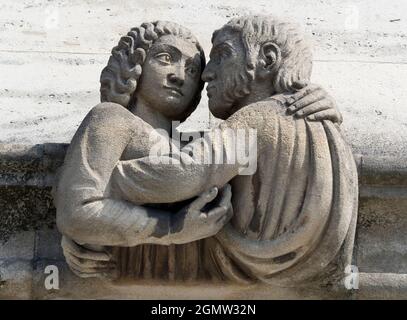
[{"x": 219, "y": 108}]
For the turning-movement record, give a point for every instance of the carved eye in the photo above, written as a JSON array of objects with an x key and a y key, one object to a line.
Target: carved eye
[
  {"x": 216, "y": 57},
  {"x": 164, "y": 57},
  {"x": 191, "y": 70},
  {"x": 225, "y": 53}
]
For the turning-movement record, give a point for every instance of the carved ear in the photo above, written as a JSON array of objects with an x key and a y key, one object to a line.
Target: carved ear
[{"x": 270, "y": 54}]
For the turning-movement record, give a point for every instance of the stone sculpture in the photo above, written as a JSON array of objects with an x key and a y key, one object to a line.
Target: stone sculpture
[{"x": 293, "y": 219}]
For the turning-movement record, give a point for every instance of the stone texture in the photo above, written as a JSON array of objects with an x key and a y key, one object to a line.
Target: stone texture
[
  {"x": 15, "y": 279},
  {"x": 381, "y": 235},
  {"x": 48, "y": 244},
  {"x": 26, "y": 176},
  {"x": 19, "y": 246},
  {"x": 384, "y": 286},
  {"x": 16, "y": 257}
]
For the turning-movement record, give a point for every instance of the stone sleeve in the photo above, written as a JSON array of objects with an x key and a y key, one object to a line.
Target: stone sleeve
[
  {"x": 86, "y": 211},
  {"x": 210, "y": 161},
  {"x": 111, "y": 222}
]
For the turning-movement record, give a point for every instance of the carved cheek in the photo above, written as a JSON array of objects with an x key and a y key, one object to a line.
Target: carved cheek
[{"x": 158, "y": 75}]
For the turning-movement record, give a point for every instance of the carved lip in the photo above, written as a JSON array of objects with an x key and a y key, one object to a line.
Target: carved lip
[
  {"x": 174, "y": 89},
  {"x": 210, "y": 89}
]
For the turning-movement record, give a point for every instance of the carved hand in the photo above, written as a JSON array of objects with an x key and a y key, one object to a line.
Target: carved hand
[
  {"x": 195, "y": 222},
  {"x": 192, "y": 223},
  {"x": 315, "y": 104},
  {"x": 85, "y": 262}
]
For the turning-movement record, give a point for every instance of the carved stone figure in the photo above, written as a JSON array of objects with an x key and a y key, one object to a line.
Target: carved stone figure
[{"x": 293, "y": 219}]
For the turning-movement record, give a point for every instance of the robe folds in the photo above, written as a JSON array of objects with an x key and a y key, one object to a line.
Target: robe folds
[{"x": 294, "y": 218}]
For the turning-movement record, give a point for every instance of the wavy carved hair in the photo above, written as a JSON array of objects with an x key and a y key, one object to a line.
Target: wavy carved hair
[
  {"x": 295, "y": 67},
  {"x": 118, "y": 80}
]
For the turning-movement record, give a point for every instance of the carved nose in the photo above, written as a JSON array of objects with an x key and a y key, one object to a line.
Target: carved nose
[
  {"x": 207, "y": 75},
  {"x": 173, "y": 78}
]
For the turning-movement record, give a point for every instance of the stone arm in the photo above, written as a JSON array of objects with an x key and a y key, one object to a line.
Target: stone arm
[
  {"x": 155, "y": 178},
  {"x": 87, "y": 211},
  {"x": 94, "y": 259},
  {"x": 213, "y": 160},
  {"x": 112, "y": 222}
]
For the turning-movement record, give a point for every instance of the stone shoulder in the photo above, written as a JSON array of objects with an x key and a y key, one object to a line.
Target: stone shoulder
[
  {"x": 256, "y": 115},
  {"x": 113, "y": 118},
  {"x": 109, "y": 110}
]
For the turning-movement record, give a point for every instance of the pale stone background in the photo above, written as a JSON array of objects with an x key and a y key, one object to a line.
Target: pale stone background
[{"x": 52, "y": 52}]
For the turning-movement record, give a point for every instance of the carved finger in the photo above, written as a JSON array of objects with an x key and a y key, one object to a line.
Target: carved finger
[
  {"x": 225, "y": 218},
  {"x": 68, "y": 243},
  {"x": 69, "y": 248},
  {"x": 230, "y": 212},
  {"x": 328, "y": 114},
  {"x": 217, "y": 212},
  {"x": 300, "y": 84},
  {"x": 203, "y": 199},
  {"x": 91, "y": 263},
  {"x": 306, "y": 101},
  {"x": 313, "y": 108},
  {"x": 78, "y": 273},
  {"x": 303, "y": 93},
  {"x": 79, "y": 252},
  {"x": 86, "y": 269},
  {"x": 90, "y": 270},
  {"x": 88, "y": 275},
  {"x": 226, "y": 196}
]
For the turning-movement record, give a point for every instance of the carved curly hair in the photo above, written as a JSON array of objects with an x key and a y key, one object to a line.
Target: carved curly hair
[
  {"x": 119, "y": 78},
  {"x": 295, "y": 67}
]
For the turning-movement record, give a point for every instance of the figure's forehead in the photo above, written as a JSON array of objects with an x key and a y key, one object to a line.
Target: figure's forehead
[
  {"x": 185, "y": 46},
  {"x": 226, "y": 36}
]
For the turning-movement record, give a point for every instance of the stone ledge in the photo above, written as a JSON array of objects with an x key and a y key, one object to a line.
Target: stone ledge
[
  {"x": 27, "y": 174},
  {"x": 382, "y": 286},
  {"x": 20, "y": 163}
]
